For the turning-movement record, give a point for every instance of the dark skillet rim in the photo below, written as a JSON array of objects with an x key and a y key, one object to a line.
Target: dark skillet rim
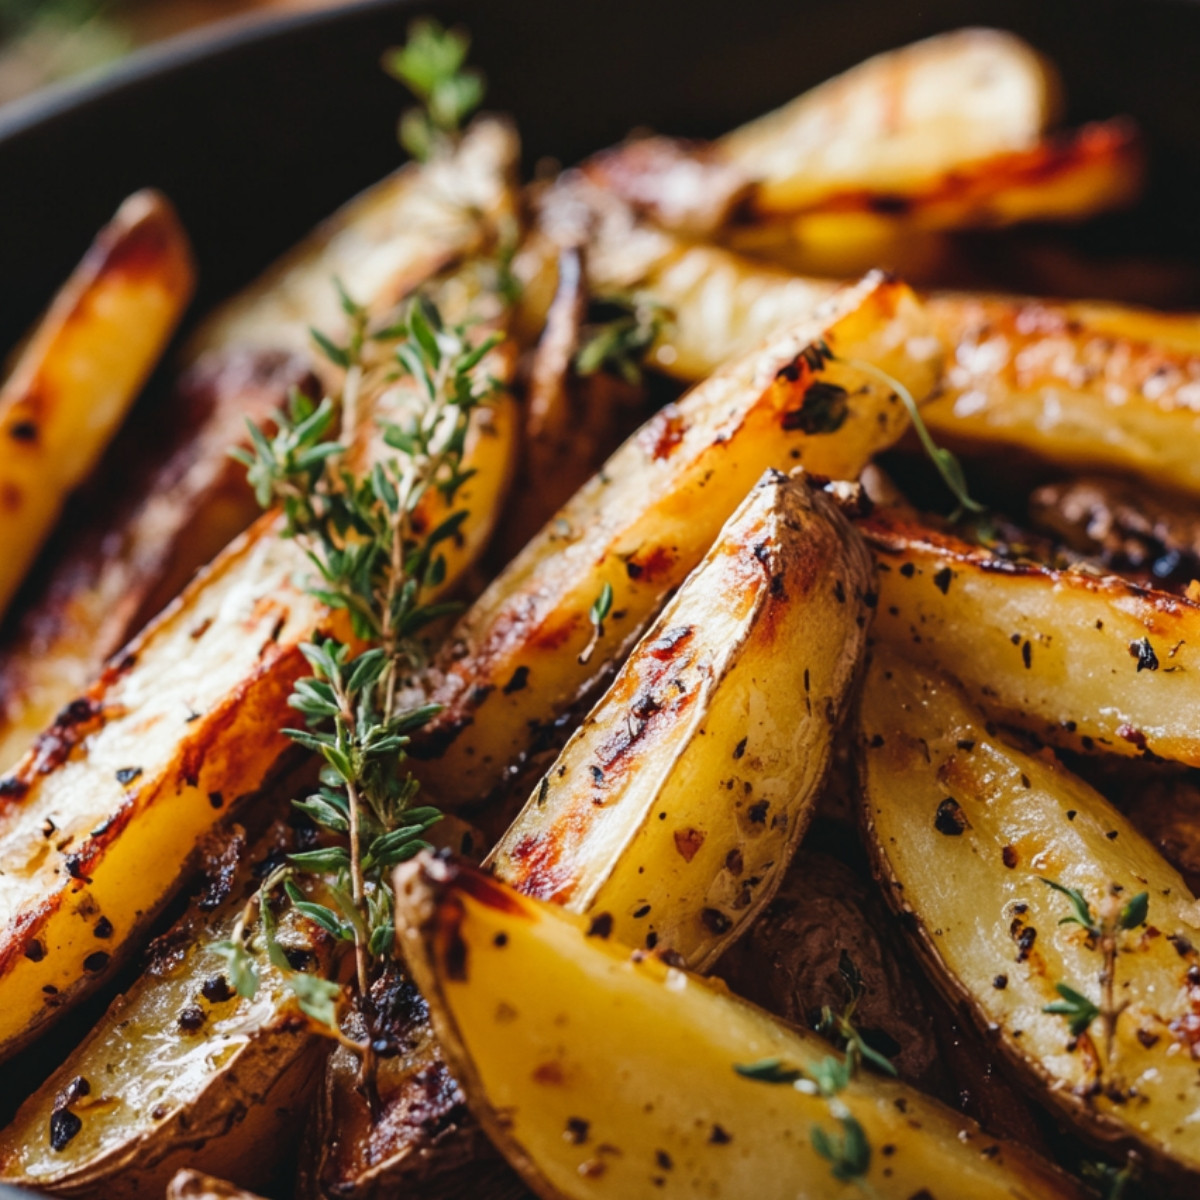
[{"x": 23, "y": 116}]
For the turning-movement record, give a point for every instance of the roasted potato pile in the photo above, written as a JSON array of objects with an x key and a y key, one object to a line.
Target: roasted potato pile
[{"x": 651, "y": 705}]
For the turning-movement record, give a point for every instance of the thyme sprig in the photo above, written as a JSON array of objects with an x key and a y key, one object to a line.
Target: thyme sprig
[
  {"x": 621, "y": 329},
  {"x": 364, "y": 528},
  {"x": 431, "y": 64},
  {"x": 946, "y": 463},
  {"x": 839, "y": 1027},
  {"x": 1103, "y": 931},
  {"x": 847, "y": 1150}
]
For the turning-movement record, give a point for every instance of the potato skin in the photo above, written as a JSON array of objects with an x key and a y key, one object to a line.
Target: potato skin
[{"x": 963, "y": 829}]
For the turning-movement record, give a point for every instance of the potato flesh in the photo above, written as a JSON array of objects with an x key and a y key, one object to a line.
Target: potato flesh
[
  {"x": 82, "y": 369},
  {"x": 897, "y": 120},
  {"x": 675, "y": 807},
  {"x": 647, "y": 518},
  {"x": 1080, "y": 660},
  {"x": 601, "y": 1074},
  {"x": 920, "y": 742},
  {"x": 381, "y": 245},
  {"x": 161, "y": 1096}
]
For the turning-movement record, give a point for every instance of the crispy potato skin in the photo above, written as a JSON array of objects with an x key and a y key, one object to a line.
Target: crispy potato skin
[
  {"x": 1097, "y": 388},
  {"x": 113, "y": 572},
  {"x": 674, "y": 809},
  {"x": 615, "y": 1073},
  {"x": 967, "y": 871},
  {"x": 1081, "y": 660},
  {"x": 83, "y": 367},
  {"x": 513, "y": 663},
  {"x": 180, "y": 1070}
]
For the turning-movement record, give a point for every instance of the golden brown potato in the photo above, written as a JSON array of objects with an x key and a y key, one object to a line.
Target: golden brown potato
[
  {"x": 602, "y": 1074},
  {"x": 114, "y": 570},
  {"x": 1069, "y": 385},
  {"x": 83, "y": 367},
  {"x": 514, "y": 663},
  {"x": 966, "y": 830},
  {"x": 98, "y": 819},
  {"x": 675, "y": 808},
  {"x": 181, "y": 1071},
  {"x": 1080, "y": 659}
]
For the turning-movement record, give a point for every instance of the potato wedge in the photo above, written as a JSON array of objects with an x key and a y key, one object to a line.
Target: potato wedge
[
  {"x": 99, "y": 817},
  {"x": 601, "y": 1074},
  {"x": 83, "y": 367},
  {"x": 676, "y": 806},
  {"x": 1081, "y": 660},
  {"x": 1040, "y": 376},
  {"x": 898, "y": 120},
  {"x": 381, "y": 245},
  {"x": 965, "y": 830},
  {"x": 114, "y": 571},
  {"x": 640, "y": 525},
  {"x": 181, "y": 1071}
]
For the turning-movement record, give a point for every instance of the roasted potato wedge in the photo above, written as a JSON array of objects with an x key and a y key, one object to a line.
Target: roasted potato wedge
[
  {"x": 1067, "y": 385},
  {"x": 601, "y": 1074},
  {"x": 181, "y": 1071},
  {"x": 516, "y": 661},
  {"x": 899, "y": 120},
  {"x": 115, "y": 570},
  {"x": 890, "y": 126},
  {"x": 675, "y": 808},
  {"x": 99, "y": 817},
  {"x": 83, "y": 367},
  {"x": 381, "y": 245},
  {"x": 1079, "y": 659},
  {"x": 965, "y": 831}
]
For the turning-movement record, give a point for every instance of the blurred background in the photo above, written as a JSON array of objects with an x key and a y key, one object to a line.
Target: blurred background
[{"x": 44, "y": 41}]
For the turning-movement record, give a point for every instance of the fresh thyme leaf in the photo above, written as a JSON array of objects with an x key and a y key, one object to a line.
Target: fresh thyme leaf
[
  {"x": 768, "y": 1070},
  {"x": 597, "y": 615},
  {"x": 619, "y": 342},
  {"x": 317, "y": 997},
  {"x": 242, "y": 973},
  {"x": 1111, "y": 1182},
  {"x": 848, "y": 1153},
  {"x": 1076, "y": 1007},
  {"x": 840, "y": 1027},
  {"x": 1082, "y": 911},
  {"x": 431, "y": 64},
  {"x": 1134, "y": 912}
]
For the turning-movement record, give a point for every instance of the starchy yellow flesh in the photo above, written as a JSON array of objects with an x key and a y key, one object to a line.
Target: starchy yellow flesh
[
  {"x": 964, "y": 828},
  {"x": 83, "y": 367},
  {"x": 598, "y": 1074},
  {"x": 677, "y": 804}
]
